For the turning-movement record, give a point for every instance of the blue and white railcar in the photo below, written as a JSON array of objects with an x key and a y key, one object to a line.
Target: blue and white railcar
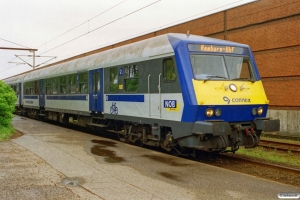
[{"x": 172, "y": 91}]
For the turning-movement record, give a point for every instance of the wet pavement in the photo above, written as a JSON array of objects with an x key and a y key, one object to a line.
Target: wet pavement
[{"x": 51, "y": 162}]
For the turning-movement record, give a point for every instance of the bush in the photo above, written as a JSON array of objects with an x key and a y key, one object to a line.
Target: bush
[{"x": 7, "y": 107}]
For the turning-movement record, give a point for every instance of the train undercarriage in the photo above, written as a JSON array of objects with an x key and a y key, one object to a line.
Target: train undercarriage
[{"x": 240, "y": 134}]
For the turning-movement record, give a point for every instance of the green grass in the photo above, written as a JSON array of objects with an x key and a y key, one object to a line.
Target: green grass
[
  {"x": 6, "y": 132},
  {"x": 274, "y": 156}
]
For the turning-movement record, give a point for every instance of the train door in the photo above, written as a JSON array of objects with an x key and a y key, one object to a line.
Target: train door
[
  {"x": 41, "y": 91},
  {"x": 19, "y": 93},
  {"x": 154, "y": 89},
  {"x": 96, "y": 90}
]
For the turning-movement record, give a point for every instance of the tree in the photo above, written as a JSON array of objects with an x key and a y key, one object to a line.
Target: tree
[{"x": 7, "y": 107}]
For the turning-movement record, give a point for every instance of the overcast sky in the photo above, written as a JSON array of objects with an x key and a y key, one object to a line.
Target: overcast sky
[{"x": 65, "y": 28}]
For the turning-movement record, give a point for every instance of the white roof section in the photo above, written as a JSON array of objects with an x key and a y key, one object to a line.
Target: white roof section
[
  {"x": 15, "y": 79},
  {"x": 135, "y": 52}
]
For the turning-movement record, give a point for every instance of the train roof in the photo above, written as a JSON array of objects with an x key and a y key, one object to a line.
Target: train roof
[{"x": 159, "y": 46}]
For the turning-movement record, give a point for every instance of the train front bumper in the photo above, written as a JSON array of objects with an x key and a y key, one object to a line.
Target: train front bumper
[{"x": 218, "y": 135}]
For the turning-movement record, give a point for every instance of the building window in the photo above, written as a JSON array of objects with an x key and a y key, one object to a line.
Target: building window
[
  {"x": 72, "y": 83},
  {"x": 169, "y": 70},
  {"x": 131, "y": 79},
  {"x": 114, "y": 79},
  {"x": 83, "y": 83},
  {"x": 63, "y": 85}
]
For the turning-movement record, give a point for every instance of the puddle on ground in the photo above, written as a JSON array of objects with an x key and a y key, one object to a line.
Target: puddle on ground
[
  {"x": 169, "y": 176},
  {"x": 109, "y": 155},
  {"x": 105, "y": 142},
  {"x": 72, "y": 182},
  {"x": 165, "y": 160}
]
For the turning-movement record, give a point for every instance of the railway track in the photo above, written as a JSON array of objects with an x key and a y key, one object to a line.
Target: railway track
[
  {"x": 260, "y": 169},
  {"x": 280, "y": 146}
]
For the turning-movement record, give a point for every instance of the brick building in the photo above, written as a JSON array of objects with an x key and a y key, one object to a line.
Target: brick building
[{"x": 272, "y": 29}]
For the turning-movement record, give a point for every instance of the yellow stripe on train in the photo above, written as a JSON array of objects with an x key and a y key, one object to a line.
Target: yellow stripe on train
[{"x": 219, "y": 92}]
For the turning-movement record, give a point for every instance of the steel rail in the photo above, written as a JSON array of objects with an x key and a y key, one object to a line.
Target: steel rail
[
  {"x": 281, "y": 146},
  {"x": 264, "y": 164}
]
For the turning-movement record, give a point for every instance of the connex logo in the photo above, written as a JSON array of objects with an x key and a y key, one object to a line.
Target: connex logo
[
  {"x": 226, "y": 99},
  {"x": 288, "y": 195}
]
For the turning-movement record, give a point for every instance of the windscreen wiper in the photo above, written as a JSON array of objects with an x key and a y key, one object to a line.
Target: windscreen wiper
[
  {"x": 247, "y": 79},
  {"x": 209, "y": 77}
]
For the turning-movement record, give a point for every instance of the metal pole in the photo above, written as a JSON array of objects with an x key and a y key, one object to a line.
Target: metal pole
[{"x": 33, "y": 65}]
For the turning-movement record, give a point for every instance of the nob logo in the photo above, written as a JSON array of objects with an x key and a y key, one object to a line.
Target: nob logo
[
  {"x": 226, "y": 99},
  {"x": 170, "y": 103}
]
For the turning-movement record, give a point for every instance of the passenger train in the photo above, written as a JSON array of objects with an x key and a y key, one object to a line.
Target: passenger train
[{"x": 176, "y": 91}]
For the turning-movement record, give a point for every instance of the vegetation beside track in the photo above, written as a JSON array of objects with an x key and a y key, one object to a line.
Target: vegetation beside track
[
  {"x": 272, "y": 156},
  {"x": 7, "y": 107}
]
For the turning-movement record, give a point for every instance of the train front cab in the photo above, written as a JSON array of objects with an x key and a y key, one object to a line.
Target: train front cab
[{"x": 230, "y": 105}]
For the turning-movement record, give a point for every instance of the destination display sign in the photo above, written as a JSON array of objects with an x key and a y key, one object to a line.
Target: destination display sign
[{"x": 216, "y": 48}]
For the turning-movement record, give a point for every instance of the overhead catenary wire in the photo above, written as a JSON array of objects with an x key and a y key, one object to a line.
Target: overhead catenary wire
[
  {"x": 13, "y": 43},
  {"x": 60, "y": 34},
  {"x": 102, "y": 26},
  {"x": 83, "y": 23}
]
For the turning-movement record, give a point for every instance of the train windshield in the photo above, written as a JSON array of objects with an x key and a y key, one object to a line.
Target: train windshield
[{"x": 222, "y": 67}]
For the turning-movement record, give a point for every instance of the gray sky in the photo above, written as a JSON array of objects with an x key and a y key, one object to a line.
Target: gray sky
[{"x": 49, "y": 25}]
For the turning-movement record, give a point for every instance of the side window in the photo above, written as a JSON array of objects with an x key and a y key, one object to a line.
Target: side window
[
  {"x": 31, "y": 88},
  {"x": 98, "y": 81},
  {"x": 35, "y": 85},
  {"x": 48, "y": 86},
  {"x": 17, "y": 89},
  {"x": 131, "y": 78},
  {"x": 113, "y": 80},
  {"x": 26, "y": 88},
  {"x": 55, "y": 86},
  {"x": 83, "y": 83},
  {"x": 169, "y": 70},
  {"x": 72, "y": 83},
  {"x": 63, "y": 85}
]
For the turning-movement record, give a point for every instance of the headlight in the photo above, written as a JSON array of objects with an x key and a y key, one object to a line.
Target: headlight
[
  {"x": 260, "y": 111},
  {"x": 218, "y": 112},
  {"x": 209, "y": 112},
  {"x": 233, "y": 87},
  {"x": 254, "y": 111}
]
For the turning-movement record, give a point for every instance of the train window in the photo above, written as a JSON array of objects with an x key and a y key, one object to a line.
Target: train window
[
  {"x": 14, "y": 88},
  {"x": 48, "y": 86},
  {"x": 98, "y": 81},
  {"x": 83, "y": 83},
  {"x": 26, "y": 88},
  {"x": 35, "y": 87},
  {"x": 208, "y": 66},
  {"x": 239, "y": 68},
  {"x": 169, "y": 70},
  {"x": 17, "y": 89},
  {"x": 31, "y": 87},
  {"x": 72, "y": 83},
  {"x": 55, "y": 86},
  {"x": 114, "y": 79},
  {"x": 63, "y": 85},
  {"x": 131, "y": 81}
]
